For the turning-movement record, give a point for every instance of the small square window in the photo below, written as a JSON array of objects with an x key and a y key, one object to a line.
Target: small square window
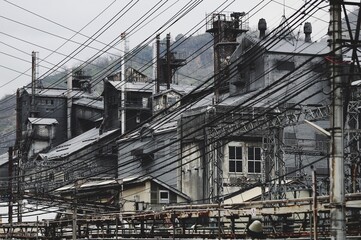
[{"x": 163, "y": 196}]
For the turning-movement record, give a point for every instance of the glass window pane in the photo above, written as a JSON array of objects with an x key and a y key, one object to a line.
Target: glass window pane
[
  {"x": 257, "y": 167},
  {"x": 239, "y": 152},
  {"x": 250, "y": 153},
  {"x": 258, "y": 153},
  {"x": 232, "y": 166},
  {"x": 164, "y": 195},
  {"x": 231, "y": 152},
  {"x": 239, "y": 166},
  {"x": 250, "y": 166}
]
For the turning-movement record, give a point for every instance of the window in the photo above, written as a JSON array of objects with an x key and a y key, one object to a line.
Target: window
[
  {"x": 235, "y": 159},
  {"x": 254, "y": 160},
  {"x": 285, "y": 65},
  {"x": 145, "y": 102},
  {"x": 290, "y": 139},
  {"x": 322, "y": 142},
  {"x": 172, "y": 100},
  {"x": 163, "y": 196}
]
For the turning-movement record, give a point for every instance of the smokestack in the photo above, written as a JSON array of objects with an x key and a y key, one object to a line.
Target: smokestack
[
  {"x": 262, "y": 27},
  {"x": 307, "y": 29},
  {"x": 169, "y": 70},
  {"x": 69, "y": 101},
  {"x": 158, "y": 62},
  {"x": 33, "y": 83}
]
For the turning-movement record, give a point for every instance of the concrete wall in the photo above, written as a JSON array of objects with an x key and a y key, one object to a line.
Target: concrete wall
[
  {"x": 159, "y": 161},
  {"x": 46, "y": 107},
  {"x": 193, "y": 172},
  {"x": 111, "y": 107},
  {"x": 84, "y": 118},
  {"x": 162, "y": 101}
]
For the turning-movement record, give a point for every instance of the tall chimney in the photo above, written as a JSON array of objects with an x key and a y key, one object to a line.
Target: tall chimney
[
  {"x": 307, "y": 30},
  {"x": 158, "y": 62},
  {"x": 262, "y": 27},
  {"x": 33, "y": 83},
  {"x": 69, "y": 101},
  {"x": 169, "y": 70},
  {"x": 123, "y": 82}
]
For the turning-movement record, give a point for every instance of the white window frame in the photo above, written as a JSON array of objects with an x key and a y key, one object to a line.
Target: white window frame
[
  {"x": 254, "y": 160},
  {"x": 235, "y": 160},
  {"x": 164, "y": 200}
]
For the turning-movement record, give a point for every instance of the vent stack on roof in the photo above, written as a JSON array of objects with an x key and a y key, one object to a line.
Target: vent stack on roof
[
  {"x": 262, "y": 27},
  {"x": 307, "y": 28}
]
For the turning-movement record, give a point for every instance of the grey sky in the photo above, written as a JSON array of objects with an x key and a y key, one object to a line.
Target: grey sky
[{"x": 15, "y": 53}]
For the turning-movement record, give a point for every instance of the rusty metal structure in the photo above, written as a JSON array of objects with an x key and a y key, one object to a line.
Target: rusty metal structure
[{"x": 211, "y": 221}]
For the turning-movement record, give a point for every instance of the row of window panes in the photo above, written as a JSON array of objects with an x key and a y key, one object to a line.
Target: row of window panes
[
  {"x": 46, "y": 102},
  {"x": 236, "y": 161}
]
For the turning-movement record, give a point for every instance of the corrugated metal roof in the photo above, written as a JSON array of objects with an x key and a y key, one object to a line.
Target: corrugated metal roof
[
  {"x": 61, "y": 93},
  {"x": 255, "y": 96},
  {"x": 149, "y": 87},
  {"x": 75, "y": 144},
  {"x": 90, "y": 103},
  {"x": 43, "y": 121},
  {"x": 113, "y": 182},
  {"x": 4, "y": 158},
  {"x": 300, "y": 47},
  {"x": 30, "y": 212},
  {"x": 287, "y": 46}
]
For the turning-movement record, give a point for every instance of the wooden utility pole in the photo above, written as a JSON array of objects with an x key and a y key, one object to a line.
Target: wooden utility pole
[{"x": 337, "y": 189}]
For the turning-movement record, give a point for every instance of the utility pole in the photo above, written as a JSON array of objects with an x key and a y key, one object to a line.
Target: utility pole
[
  {"x": 33, "y": 79},
  {"x": 314, "y": 205},
  {"x": 337, "y": 192},
  {"x": 69, "y": 102},
  {"x": 169, "y": 69},
  {"x": 122, "y": 100},
  {"x": 10, "y": 186},
  {"x": 75, "y": 210},
  {"x": 158, "y": 63}
]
